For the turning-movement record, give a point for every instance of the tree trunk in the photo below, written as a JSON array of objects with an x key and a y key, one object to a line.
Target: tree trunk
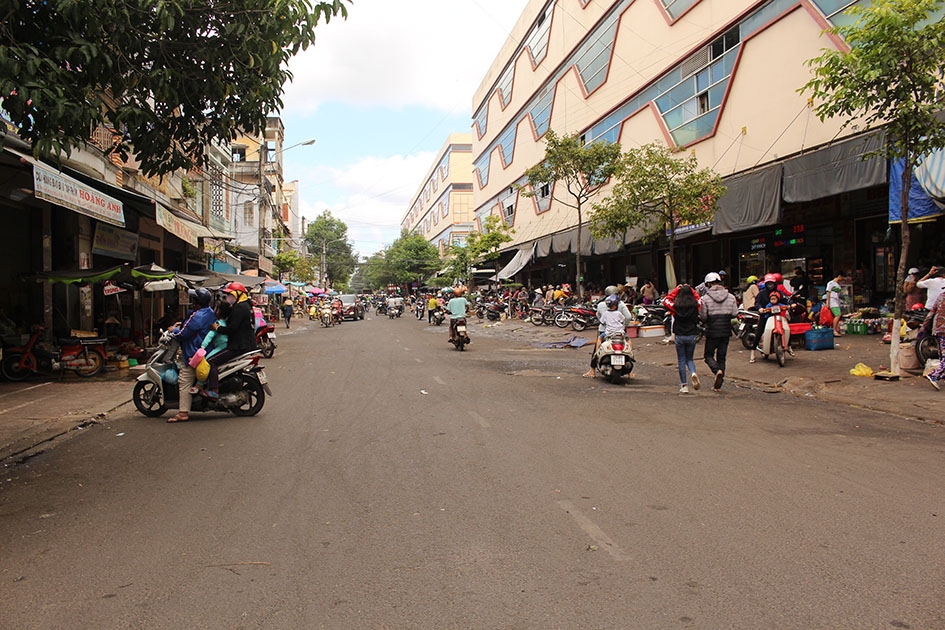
[
  {"x": 577, "y": 272},
  {"x": 900, "y": 303}
]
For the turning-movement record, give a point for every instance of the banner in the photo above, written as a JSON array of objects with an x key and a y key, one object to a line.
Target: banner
[
  {"x": 111, "y": 241},
  {"x": 62, "y": 190}
]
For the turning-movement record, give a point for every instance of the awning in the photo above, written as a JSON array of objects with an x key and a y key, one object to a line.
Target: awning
[
  {"x": 835, "y": 169},
  {"x": 56, "y": 187},
  {"x": 752, "y": 200},
  {"x": 125, "y": 274},
  {"x": 518, "y": 262},
  {"x": 921, "y": 206},
  {"x": 607, "y": 246},
  {"x": 931, "y": 174},
  {"x": 181, "y": 228},
  {"x": 543, "y": 246}
]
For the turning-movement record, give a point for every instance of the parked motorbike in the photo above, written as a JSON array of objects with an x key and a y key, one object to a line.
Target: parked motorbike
[
  {"x": 266, "y": 340},
  {"x": 84, "y": 356},
  {"x": 747, "y": 330},
  {"x": 537, "y": 315},
  {"x": 776, "y": 337},
  {"x": 614, "y": 358},
  {"x": 460, "y": 336},
  {"x": 243, "y": 384},
  {"x": 583, "y": 317},
  {"x": 653, "y": 315},
  {"x": 492, "y": 311}
]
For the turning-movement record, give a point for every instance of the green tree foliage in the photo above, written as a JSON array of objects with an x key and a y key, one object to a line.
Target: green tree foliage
[
  {"x": 411, "y": 257},
  {"x": 891, "y": 76},
  {"x": 459, "y": 265},
  {"x": 328, "y": 236},
  {"x": 377, "y": 272},
  {"x": 171, "y": 77},
  {"x": 657, "y": 191},
  {"x": 485, "y": 245},
  {"x": 579, "y": 171}
]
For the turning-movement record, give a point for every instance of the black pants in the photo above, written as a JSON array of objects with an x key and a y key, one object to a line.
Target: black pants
[
  {"x": 221, "y": 357},
  {"x": 716, "y": 349}
]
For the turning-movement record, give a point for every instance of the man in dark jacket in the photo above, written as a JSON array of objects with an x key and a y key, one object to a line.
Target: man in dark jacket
[
  {"x": 240, "y": 333},
  {"x": 717, "y": 310}
]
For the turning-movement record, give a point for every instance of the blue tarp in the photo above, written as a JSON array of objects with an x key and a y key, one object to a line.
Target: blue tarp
[
  {"x": 573, "y": 342},
  {"x": 921, "y": 206}
]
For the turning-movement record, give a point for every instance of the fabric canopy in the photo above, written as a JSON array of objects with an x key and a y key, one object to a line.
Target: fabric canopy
[
  {"x": 118, "y": 274},
  {"x": 752, "y": 200},
  {"x": 518, "y": 262},
  {"x": 835, "y": 169},
  {"x": 921, "y": 206}
]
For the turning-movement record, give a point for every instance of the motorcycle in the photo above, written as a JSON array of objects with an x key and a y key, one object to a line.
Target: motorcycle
[
  {"x": 419, "y": 311},
  {"x": 583, "y": 317},
  {"x": 312, "y": 312},
  {"x": 266, "y": 339},
  {"x": 84, "y": 356},
  {"x": 747, "y": 329},
  {"x": 614, "y": 358},
  {"x": 243, "y": 384},
  {"x": 381, "y": 309},
  {"x": 325, "y": 317},
  {"x": 537, "y": 314},
  {"x": 460, "y": 336},
  {"x": 776, "y": 337},
  {"x": 395, "y": 311},
  {"x": 492, "y": 311},
  {"x": 439, "y": 315},
  {"x": 654, "y": 315}
]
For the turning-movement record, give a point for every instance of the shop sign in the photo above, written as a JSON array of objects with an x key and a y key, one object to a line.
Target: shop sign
[
  {"x": 111, "y": 288},
  {"x": 110, "y": 241},
  {"x": 178, "y": 227},
  {"x": 685, "y": 227},
  {"x": 64, "y": 191},
  {"x": 757, "y": 244},
  {"x": 265, "y": 264}
]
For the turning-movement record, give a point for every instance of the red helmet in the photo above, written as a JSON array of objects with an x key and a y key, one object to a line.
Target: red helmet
[
  {"x": 234, "y": 287},
  {"x": 778, "y": 277}
]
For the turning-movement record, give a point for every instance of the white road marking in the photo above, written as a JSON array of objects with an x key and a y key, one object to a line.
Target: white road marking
[
  {"x": 418, "y": 359},
  {"x": 439, "y": 380},
  {"x": 25, "y": 389},
  {"x": 482, "y": 421},
  {"x": 596, "y": 533},
  {"x": 26, "y": 404}
]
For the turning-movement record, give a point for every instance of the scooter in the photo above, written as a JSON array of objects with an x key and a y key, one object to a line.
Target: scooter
[
  {"x": 84, "y": 356},
  {"x": 266, "y": 339},
  {"x": 460, "y": 336},
  {"x": 439, "y": 315},
  {"x": 747, "y": 329},
  {"x": 776, "y": 337},
  {"x": 614, "y": 358},
  {"x": 243, "y": 384},
  {"x": 312, "y": 312},
  {"x": 419, "y": 311},
  {"x": 395, "y": 311},
  {"x": 325, "y": 316},
  {"x": 583, "y": 316}
]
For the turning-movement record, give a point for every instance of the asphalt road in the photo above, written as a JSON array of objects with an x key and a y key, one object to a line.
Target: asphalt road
[{"x": 393, "y": 482}]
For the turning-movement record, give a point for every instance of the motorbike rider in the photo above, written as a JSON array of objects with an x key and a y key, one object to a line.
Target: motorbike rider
[
  {"x": 773, "y": 308},
  {"x": 751, "y": 292},
  {"x": 458, "y": 308},
  {"x": 241, "y": 337},
  {"x": 602, "y": 307},
  {"x": 432, "y": 305},
  {"x": 191, "y": 336}
]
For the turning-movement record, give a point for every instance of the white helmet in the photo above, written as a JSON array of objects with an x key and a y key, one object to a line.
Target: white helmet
[
  {"x": 712, "y": 277},
  {"x": 610, "y": 290}
]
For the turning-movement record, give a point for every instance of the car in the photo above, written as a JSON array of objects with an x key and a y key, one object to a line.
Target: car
[{"x": 352, "y": 308}]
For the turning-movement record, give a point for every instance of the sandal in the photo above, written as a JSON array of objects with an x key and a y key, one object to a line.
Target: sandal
[
  {"x": 588, "y": 375},
  {"x": 180, "y": 417},
  {"x": 751, "y": 360}
]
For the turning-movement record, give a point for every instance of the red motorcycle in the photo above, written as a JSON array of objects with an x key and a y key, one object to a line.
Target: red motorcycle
[
  {"x": 266, "y": 339},
  {"x": 84, "y": 356}
]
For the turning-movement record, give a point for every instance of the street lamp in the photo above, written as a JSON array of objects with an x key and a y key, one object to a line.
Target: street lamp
[{"x": 263, "y": 188}]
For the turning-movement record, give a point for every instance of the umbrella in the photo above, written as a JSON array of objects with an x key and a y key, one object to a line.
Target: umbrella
[{"x": 274, "y": 288}]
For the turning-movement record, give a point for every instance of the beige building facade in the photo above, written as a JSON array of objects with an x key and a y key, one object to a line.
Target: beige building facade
[
  {"x": 441, "y": 210},
  {"x": 719, "y": 78}
]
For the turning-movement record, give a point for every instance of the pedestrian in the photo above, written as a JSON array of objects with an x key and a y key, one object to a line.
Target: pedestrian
[
  {"x": 287, "y": 310},
  {"x": 649, "y": 292},
  {"x": 800, "y": 283},
  {"x": 934, "y": 284},
  {"x": 834, "y": 301},
  {"x": 935, "y": 325},
  {"x": 717, "y": 310},
  {"x": 914, "y": 295},
  {"x": 685, "y": 310}
]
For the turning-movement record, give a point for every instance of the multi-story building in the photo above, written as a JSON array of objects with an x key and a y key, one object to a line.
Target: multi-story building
[
  {"x": 441, "y": 210},
  {"x": 719, "y": 78}
]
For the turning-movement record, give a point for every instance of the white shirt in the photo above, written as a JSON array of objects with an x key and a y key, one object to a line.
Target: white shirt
[
  {"x": 834, "y": 291},
  {"x": 935, "y": 287}
]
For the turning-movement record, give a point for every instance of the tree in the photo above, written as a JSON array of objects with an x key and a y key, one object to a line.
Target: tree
[
  {"x": 657, "y": 191},
  {"x": 485, "y": 245},
  {"x": 459, "y": 264},
  {"x": 171, "y": 77},
  {"x": 377, "y": 272},
  {"x": 327, "y": 240},
  {"x": 411, "y": 257},
  {"x": 284, "y": 263},
  {"x": 890, "y": 76},
  {"x": 582, "y": 168}
]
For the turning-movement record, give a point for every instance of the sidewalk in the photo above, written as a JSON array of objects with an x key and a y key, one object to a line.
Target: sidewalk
[{"x": 822, "y": 374}]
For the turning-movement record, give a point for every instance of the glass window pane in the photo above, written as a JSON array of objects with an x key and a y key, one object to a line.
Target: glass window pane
[{"x": 702, "y": 81}]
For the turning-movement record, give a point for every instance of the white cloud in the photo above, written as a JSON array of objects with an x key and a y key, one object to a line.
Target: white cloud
[
  {"x": 409, "y": 52},
  {"x": 372, "y": 195}
]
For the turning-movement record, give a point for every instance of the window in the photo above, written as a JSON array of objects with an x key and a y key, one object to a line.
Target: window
[
  {"x": 505, "y": 85},
  {"x": 239, "y": 154},
  {"x": 594, "y": 57}
]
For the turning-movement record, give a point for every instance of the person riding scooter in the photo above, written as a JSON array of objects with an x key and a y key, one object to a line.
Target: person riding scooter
[
  {"x": 772, "y": 310},
  {"x": 458, "y": 308}
]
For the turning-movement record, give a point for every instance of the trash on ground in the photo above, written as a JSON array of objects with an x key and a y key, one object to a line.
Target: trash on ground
[
  {"x": 861, "y": 369},
  {"x": 573, "y": 342}
]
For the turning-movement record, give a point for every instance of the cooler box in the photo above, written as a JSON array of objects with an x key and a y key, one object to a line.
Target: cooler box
[
  {"x": 819, "y": 339},
  {"x": 652, "y": 331}
]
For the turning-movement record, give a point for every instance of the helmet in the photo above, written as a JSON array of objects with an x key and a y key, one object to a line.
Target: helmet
[
  {"x": 458, "y": 291},
  {"x": 712, "y": 277},
  {"x": 774, "y": 294},
  {"x": 770, "y": 277},
  {"x": 610, "y": 290},
  {"x": 201, "y": 296},
  {"x": 778, "y": 277},
  {"x": 234, "y": 287},
  {"x": 611, "y": 300},
  {"x": 722, "y": 273},
  {"x": 751, "y": 279}
]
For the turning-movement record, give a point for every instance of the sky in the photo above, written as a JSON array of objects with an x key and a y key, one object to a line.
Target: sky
[{"x": 380, "y": 93}]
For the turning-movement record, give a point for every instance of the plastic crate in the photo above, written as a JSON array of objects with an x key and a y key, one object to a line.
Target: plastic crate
[
  {"x": 819, "y": 339},
  {"x": 799, "y": 328}
]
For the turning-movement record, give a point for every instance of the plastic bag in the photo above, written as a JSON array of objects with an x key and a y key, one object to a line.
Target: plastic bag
[
  {"x": 203, "y": 370},
  {"x": 198, "y": 357},
  {"x": 861, "y": 369},
  {"x": 826, "y": 316}
]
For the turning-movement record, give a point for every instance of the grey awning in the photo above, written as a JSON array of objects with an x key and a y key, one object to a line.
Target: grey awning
[
  {"x": 561, "y": 242},
  {"x": 518, "y": 262},
  {"x": 835, "y": 169},
  {"x": 543, "y": 247},
  {"x": 607, "y": 245},
  {"x": 752, "y": 200}
]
